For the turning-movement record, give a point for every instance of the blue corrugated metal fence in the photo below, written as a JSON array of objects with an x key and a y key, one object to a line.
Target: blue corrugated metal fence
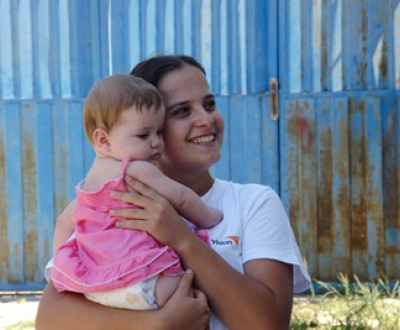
[{"x": 333, "y": 154}]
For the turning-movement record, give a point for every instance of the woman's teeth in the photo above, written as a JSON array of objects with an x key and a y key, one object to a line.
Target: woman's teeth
[{"x": 204, "y": 139}]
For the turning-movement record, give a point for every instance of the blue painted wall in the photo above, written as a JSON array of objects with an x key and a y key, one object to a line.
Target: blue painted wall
[{"x": 333, "y": 154}]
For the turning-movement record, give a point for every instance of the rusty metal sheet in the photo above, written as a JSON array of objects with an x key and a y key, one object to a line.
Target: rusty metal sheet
[
  {"x": 297, "y": 176},
  {"x": 338, "y": 198},
  {"x": 343, "y": 58},
  {"x": 391, "y": 183}
]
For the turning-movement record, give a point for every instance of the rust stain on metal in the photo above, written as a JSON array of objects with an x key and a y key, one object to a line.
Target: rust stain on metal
[
  {"x": 362, "y": 68},
  {"x": 391, "y": 201},
  {"x": 293, "y": 172},
  {"x": 324, "y": 206},
  {"x": 13, "y": 275},
  {"x": 293, "y": 167},
  {"x": 391, "y": 172},
  {"x": 4, "y": 243},
  {"x": 306, "y": 135},
  {"x": 60, "y": 169},
  {"x": 359, "y": 162},
  {"x": 29, "y": 175},
  {"x": 46, "y": 248},
  {"x": 342, "y": 202},
  {"x": 29, "y": 196},
  {"x": 302, "y": 130},
  {"x": 374, "y": 196},
  {"x": 31, "y": 255},
  {"x": 324, "y": 52},
  {"x": 301, "y": 161},
  {"x": 383, "y": 64}
]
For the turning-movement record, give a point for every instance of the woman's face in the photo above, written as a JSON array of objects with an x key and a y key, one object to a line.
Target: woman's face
[{"x": 193, "y": 128}]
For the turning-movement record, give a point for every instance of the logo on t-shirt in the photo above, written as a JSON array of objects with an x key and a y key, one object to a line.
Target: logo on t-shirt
[{"x": 228, "y": 240}]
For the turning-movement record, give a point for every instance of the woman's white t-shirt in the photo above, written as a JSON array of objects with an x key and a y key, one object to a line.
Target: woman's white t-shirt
[{"x": 254, "y": 226}]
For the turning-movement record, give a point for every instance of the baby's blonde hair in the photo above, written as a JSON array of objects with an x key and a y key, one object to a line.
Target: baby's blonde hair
[{"x": 109, "y": 97}]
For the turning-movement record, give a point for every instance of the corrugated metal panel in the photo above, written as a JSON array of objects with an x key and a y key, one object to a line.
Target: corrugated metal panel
[
  {"x": 51, "y": 52},
  {"x": 250, "y": 148},
  {"x": 230, "y": 37},
  {"x": 58, "y": 48},
  {"x": 339, "y": 127},
  {"x": 340, "y": 45},
  {"x": 43, "y": 153},
  {"x": 340, "y": 134},
  {"x": 49, "y": 49}
]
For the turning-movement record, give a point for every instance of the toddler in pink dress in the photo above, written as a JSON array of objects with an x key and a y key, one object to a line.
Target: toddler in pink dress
[{"x": 123, "y": 117}]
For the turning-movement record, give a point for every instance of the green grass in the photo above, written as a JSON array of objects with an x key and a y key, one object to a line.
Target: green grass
[{"x": 349, "y": 305}]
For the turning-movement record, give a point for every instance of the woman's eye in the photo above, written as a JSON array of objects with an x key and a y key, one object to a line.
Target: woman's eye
[
  {"x": 210, "y": 105},
  {"x": 181, "y": 112}
]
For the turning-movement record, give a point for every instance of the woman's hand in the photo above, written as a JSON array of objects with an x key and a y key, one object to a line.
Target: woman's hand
[
  {"x": 182, "y": 311},
  {"x": 153, "y": 214}
]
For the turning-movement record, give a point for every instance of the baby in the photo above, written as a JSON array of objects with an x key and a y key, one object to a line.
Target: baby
[{"x": 123, "y": 118}]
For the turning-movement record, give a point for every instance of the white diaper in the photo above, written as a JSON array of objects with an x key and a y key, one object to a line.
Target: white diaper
[{"x": 138, "y": 296}]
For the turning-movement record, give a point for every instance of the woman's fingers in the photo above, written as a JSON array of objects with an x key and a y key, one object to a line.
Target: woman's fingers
[
  {"x": 185, "y": 284},
  {"x": 140, "y": 188},
  {"x": 140, "y": 195},
  {"x": 186, "y": 311},
  {"x": 130, "y": 197},
  {"x": 152, "y": 213}
]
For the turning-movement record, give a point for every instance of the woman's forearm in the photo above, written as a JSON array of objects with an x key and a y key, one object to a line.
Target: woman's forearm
[
  {"x": 74, "y": 312},
  {"x": 262, "y": 298}
]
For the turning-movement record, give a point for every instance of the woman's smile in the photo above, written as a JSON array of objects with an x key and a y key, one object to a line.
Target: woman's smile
[{"x": 203, "y": 140}]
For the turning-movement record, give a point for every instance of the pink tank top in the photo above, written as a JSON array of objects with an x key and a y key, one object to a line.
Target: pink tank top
[{"x": 102, "y": 257}]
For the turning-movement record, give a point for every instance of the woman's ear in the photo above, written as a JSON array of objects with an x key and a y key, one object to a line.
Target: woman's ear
[{"x": 101, "y": 140}]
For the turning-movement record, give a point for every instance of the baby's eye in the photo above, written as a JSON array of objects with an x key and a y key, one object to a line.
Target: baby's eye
[
  {"x": 160, "y": 132},
  {"x": 143, "y": 136}
]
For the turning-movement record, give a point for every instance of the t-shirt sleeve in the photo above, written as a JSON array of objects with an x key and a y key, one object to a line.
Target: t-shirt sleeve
[{"x": 267, "y": 233}]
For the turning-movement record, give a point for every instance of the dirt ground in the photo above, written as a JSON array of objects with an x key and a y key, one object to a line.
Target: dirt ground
[{"x": 18, "y": 310}]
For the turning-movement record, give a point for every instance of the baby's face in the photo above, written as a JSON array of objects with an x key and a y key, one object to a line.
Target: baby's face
[{"x": 138, "y": 135}]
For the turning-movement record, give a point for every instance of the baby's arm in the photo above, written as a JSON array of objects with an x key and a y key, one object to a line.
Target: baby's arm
[
  {"x": 184, "y": 200},
  {"x": 64, "y": 226}
]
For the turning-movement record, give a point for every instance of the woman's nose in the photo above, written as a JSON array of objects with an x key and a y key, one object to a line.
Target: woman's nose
[{"x": 204, "y": 118}]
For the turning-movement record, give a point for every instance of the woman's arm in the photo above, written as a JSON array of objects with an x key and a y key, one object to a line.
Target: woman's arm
[
  {"x": 182, "y": 198},
  {"x": 73, "y": 311},
  {"x": 262, "y": 297}
]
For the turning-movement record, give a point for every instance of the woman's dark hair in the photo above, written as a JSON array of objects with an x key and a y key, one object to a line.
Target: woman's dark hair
[{"x": 155, "y": 68}]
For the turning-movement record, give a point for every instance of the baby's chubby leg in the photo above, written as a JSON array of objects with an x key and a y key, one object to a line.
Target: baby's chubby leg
[
  {"x": 138, "y": 296},
  {"x": 165, "y": 288},
  {"x": 152, "y": 293}
]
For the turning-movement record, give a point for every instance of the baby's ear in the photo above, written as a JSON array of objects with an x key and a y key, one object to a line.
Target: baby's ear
[{"x": 101, "y": 140}]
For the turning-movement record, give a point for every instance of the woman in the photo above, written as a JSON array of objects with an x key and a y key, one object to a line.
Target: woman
[{"x": 253, "y": 267}]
